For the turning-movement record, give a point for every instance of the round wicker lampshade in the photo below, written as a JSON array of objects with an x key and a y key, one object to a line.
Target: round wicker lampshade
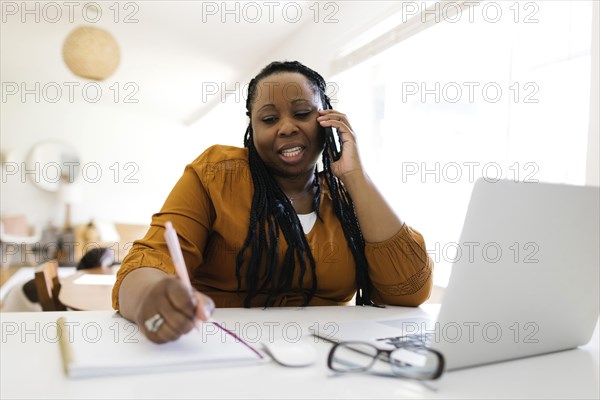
[{"x": 91, "y": 53}]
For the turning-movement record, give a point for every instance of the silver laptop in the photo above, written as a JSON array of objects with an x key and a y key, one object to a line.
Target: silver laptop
[{"x": 526, "y": 281}]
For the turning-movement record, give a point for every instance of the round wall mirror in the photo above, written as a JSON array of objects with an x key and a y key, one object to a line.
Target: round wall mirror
[{"x": 51, "y": 162}]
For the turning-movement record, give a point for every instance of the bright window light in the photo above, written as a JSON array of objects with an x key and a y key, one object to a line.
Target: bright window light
[{"x": 482, "y": 95}]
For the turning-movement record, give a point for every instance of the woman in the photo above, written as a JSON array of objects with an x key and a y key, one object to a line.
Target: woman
[{"x": 260, "y": 226}]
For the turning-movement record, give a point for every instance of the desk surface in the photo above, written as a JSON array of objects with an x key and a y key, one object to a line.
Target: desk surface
[
  {"x": 88, "y": 295},
  {"x": 31, "y": 366}
]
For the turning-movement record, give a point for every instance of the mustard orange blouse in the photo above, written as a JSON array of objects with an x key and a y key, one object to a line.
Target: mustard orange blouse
[{"x": 210, "y": 207}]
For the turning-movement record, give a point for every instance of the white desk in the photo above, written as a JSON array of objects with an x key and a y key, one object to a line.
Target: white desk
[{"x": 31, "y": 367}]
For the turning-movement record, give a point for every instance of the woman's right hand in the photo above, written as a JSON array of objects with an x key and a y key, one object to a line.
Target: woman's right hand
[{"x": 161, "y": 305}]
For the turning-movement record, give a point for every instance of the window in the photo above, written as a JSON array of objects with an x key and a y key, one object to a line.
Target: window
[{"x": 500, "y": 94}]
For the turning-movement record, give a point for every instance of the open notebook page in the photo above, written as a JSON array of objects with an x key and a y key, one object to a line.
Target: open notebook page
[{"x": 111, "y": 345}]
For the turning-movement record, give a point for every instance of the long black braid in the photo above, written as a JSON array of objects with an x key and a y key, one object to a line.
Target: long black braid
[{"x": 272, "y": 213}]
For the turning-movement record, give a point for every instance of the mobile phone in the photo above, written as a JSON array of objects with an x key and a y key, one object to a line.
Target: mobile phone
[{"x": 333, "y": 143}]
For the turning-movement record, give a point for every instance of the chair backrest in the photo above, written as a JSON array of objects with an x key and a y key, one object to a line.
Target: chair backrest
[
  {"x": 48, "y": 286},
  {"x": 16, "y": 229},
  {"x": 16, "y": 225}
]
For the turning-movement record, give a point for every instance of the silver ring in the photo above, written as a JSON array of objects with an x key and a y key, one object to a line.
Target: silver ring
[{"x": 154, "y": 323}]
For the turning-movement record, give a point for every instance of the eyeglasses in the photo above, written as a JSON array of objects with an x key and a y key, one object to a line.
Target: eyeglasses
[{"x": 414, "y": 362}]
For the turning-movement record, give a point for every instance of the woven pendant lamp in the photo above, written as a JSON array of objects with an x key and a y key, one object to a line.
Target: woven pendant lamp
[{"x": 91, "y": 53}]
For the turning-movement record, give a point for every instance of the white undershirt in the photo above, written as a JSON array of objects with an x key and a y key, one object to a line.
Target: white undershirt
[{"x": 307, "y": 221}]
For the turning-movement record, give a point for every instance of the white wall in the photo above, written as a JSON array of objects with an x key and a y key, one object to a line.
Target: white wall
[
  {"x": 318, "y": 48},
  {"x": 108, "y": 132},
  {"x": 157, "y": 148},
  {"x": 593, "y": 154}
]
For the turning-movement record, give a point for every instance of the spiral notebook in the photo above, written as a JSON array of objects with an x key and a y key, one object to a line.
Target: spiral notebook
[{"x": 101, "y": 345}]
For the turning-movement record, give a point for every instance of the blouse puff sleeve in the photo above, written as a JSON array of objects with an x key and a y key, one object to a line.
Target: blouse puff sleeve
[
  {"x": 189, "y": 208},
  {"x": 400, "y": 269}
]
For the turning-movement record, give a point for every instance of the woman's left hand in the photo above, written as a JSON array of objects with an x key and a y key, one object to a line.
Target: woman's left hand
[{"x": 349, "y": 162}]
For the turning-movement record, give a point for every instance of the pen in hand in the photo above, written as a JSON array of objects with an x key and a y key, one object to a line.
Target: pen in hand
[{"x": 179, "y": 263}]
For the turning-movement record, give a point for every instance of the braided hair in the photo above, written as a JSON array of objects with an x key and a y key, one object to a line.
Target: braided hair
[{"x": 272, "y": 213}]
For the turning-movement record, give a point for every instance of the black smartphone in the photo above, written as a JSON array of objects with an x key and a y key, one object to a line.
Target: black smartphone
[{"x": 333, "y": 143}]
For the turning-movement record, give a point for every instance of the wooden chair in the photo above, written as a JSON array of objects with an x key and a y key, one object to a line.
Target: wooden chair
[{"x": 48, "y": 286}]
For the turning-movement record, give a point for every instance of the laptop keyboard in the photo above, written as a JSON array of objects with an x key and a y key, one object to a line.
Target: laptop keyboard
[{"x": 416, "y": 340}]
